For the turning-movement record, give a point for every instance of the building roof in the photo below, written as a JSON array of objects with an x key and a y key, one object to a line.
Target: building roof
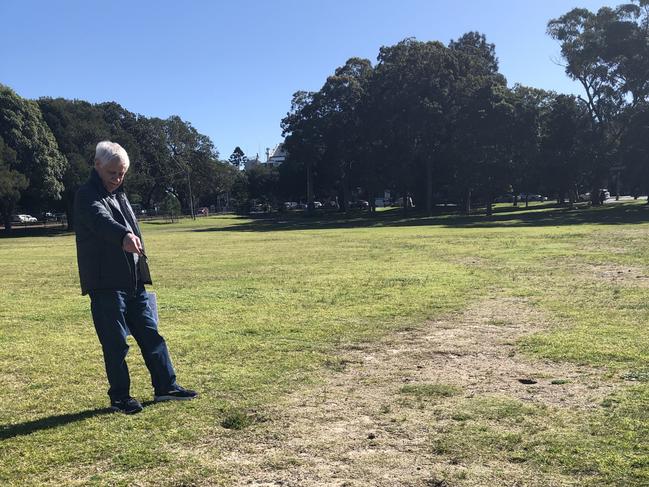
[{"x": 277, "y": 151}]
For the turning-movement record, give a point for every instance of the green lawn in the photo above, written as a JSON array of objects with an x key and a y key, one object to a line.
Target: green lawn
[{"x": 252, "y": 309}]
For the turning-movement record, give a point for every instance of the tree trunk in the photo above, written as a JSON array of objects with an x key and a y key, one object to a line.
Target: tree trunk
[
  {"x": 7, "y": 208},
  {"x": 69, "y": 209},
  {"x": 309, "y": 189},
  {"x": 490, "y": 210},
  {"x": 572, "y": 197},
  {"x": 372, "y": 200},
  {"x": 346, "y": 186},
  {"x": 467, "y": 202},
  {"x": 429, "y": 187},
  {"x": 594, "y": 197},
  {"x": 6, "y": 218},
  {"x": 149, "y": 196},
  {"x": 343, "y": 203},
  {"x": 191, "y": 197},
  {"x": 404, "y": 199}
]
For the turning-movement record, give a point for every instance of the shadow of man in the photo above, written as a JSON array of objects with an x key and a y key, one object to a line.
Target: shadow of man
[{"x": 21, "y": 429}]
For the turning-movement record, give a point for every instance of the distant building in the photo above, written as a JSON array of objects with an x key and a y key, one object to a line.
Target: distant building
[
  {"x": 276, "y": 155},
  {"x": 252, "y": 162}
]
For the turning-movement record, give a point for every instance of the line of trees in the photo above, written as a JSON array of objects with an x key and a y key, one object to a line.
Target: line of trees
[
  {"x": 439, "y": 123},
  {"x": 428, "y": 121},
  {"x": 47, "y": 150}
]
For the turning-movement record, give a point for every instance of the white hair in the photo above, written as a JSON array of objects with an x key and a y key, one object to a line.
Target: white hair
[{"x": 108, "y": 151}]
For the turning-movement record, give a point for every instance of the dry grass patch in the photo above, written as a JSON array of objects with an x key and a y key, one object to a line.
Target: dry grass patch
[{"x": 379, "y": 419}]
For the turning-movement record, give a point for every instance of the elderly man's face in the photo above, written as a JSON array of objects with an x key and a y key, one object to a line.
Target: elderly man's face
[{"x": 111, "y": 174}]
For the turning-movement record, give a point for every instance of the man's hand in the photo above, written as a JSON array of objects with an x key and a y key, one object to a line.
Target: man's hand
[{"x": 131, "y": 243}]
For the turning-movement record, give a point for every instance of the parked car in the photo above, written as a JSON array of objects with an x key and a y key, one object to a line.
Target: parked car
[
  {"x": 532, "y": 197},
  {"x": 399, "y": 202},
  {"x": 317, "y": 204},
  {"x": 362, "y": 204},
  {"x": 333, "y": 204},
  {"x": 504, "y": 198},
  {"x": 290, "y": 205},
  {"x": 22, "y": 218}
]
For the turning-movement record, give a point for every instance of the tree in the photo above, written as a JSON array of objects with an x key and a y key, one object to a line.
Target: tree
[
  {"x": 170, "y": 206},
  {"x": 193, "y": 154},
  {"x": 481, "y": 137},
  {"x": 263, "y": 184},
  {"x": 635, "y": 150},
  {"x": 37, "y": 156},
  {"x": 303, "y": 131},
  {"x": 230, "y": 187},
  {"x": 238, "y": 159},
  {"x": 608, "y": 53},
  {"x": 323, "y": 133},
  {"x": 583, "y": 37},
  {"x": 12, "y": 183},
  {"x": 530, "y": 105},
  {"x": 153, "y": 171},
  {"x": 409, "y": 94},
  {"x": 564, "y": 146},
  {"x": 340, "y": 103},
  {"x": 77, "y": 126},
  {"x": 240, "y": 199}
]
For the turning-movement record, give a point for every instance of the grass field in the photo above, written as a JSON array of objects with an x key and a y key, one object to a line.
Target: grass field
[{"x": 254, "y": 310}]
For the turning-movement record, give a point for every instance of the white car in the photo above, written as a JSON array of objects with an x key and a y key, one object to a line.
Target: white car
[
  {"x": 23, "y": 219},
  {"x": 27, "y": 219}
]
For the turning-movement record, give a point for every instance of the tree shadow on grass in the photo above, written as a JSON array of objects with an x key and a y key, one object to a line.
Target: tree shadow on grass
[
  {"x": 537, "y": 216},
  {"x": 50, "y": 422},
  {"x": 158, "y": 222},
  {"x": 36, "y": 231}
]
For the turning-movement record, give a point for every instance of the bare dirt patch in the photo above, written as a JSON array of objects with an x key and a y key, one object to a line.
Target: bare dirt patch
[
  {"x": 623, "y": 275},
  {"x": 359, "y": 428}
]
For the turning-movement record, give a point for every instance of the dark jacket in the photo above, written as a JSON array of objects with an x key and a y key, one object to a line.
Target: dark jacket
[{"x": 100, "y": 229}]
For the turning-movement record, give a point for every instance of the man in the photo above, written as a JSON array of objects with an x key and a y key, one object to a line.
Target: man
[{"x": 113, "y": 270}]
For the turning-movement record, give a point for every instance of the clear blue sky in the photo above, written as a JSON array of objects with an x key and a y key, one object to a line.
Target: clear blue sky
[{"x": 230, "y": 67}]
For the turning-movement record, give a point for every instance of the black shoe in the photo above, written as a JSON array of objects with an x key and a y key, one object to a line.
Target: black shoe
[
  {"x": 177, "y": 394},
  {"x": 129, "y": 405}
]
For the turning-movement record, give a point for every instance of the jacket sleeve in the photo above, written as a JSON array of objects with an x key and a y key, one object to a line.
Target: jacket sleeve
[{"x": 91, "y": 213}]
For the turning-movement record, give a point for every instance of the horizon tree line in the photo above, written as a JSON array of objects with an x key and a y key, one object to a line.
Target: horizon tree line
[
  {"x": 430, "y": 122},
  {"x": 439, "y": 123}
]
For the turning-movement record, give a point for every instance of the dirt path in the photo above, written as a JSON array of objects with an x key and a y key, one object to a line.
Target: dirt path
[{"x": 359, "y": 429}]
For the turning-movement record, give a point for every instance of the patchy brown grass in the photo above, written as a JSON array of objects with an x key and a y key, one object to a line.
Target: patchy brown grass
[
  {"x": 623, "y": 275},
  {"x": 371, "y": 419}
]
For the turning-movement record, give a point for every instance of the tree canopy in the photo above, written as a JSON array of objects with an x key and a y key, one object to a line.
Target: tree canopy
[{"x": 30, "y": 151}]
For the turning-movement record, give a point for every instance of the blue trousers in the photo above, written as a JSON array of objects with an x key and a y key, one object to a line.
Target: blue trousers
[{"x": 114, "y": 314}]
